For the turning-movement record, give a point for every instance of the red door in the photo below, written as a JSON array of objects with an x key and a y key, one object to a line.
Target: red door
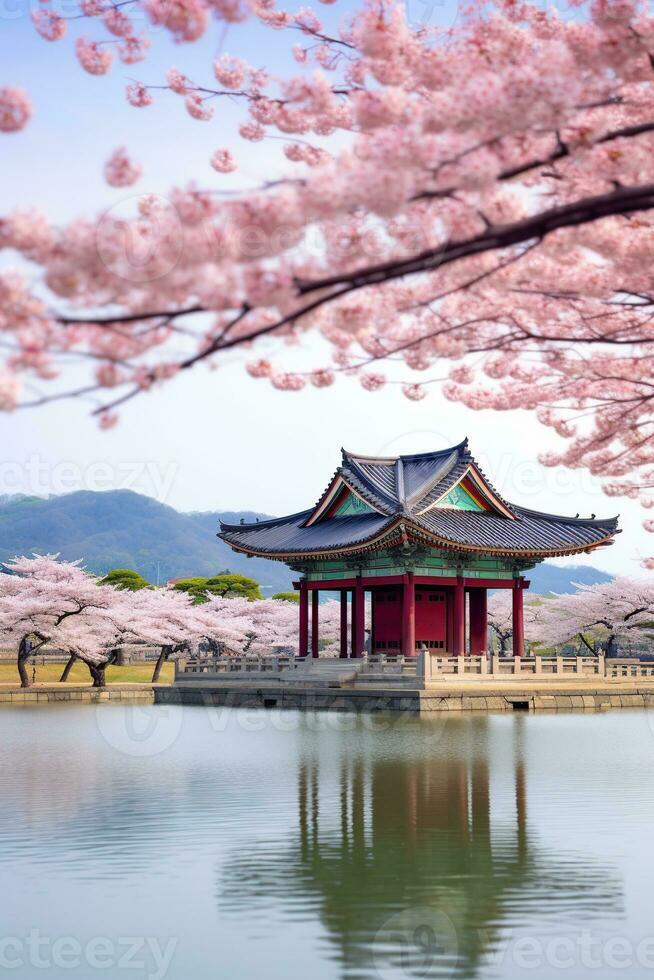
[
  {"x": 386, "y": 621},
  {"x": 431, "y": 607}
]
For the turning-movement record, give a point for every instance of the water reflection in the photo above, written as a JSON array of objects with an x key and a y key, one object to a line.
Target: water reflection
[
  {"x": 294, "y": 845},
  {"x": 392, "y": 848}
]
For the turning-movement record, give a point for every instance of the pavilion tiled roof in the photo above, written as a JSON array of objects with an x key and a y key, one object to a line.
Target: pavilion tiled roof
[{"x": 404, "y": 495}]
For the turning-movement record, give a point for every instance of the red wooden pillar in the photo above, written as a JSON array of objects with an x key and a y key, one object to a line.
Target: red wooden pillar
[
  {"x": 358, "y": 618},
  {"x": 315, "y": 625},
  {"x": 478, "y": 621},
  {"x": 518, "y": 619},
  {"x": 409, "y": 616},
  {"x": 304, "y": 620},
  {"x": 449, "y": 620},
  {"x": 344, "y": 643},
  {"x": 459, "y": 617}
]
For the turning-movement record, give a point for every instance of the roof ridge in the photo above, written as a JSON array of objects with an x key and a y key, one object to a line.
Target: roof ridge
[
  {"x": 593, "y": 521},
  {"x": 399, "y": 483},
  {"x": 432, "y": 481},
  {"x": 347, "y": 455},
  {"x": 266, "y": 523}
]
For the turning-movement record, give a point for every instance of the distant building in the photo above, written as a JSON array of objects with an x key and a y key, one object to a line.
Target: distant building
[{"x": 426, "y": 535}]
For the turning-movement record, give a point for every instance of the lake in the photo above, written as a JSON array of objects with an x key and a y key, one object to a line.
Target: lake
[{"x": 192, "y": 842}]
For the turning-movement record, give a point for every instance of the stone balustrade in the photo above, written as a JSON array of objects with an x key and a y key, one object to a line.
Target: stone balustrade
[
  {"x": 426, "y": 668},
  {"x": 437, "y": 667}
]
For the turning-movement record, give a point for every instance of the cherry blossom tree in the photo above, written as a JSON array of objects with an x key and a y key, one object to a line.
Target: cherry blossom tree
[
  {"x": 168, "y": 619},
  {"x": 263, "y": 626},
  {"x": 46, "y": 601},
  {"x": 474, "y": 202},
  {"x": 500, "y": 618},
  {"x": 609, "y": 611}
]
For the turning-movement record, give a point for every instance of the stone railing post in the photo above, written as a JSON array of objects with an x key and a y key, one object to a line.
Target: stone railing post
[
  {"x": 601, "y": 665},
  {"x": 538, "y": 660},
  {"x": 483, "y": 664},
  {"x": 559, "y": 665},
  {"x": 424, "y": 666},
  {"x": 495, "y": 663}
]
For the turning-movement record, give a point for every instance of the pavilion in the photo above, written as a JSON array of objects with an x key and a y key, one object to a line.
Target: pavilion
[{"x": 426, "y": 536}]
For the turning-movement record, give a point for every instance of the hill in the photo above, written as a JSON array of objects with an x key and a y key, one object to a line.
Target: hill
[
  {"x": 120, "y": 528},
  {"x": 561, "y": 578}
]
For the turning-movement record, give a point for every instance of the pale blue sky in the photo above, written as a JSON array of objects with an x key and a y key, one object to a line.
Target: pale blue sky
[{"x": 218, "y": 439}]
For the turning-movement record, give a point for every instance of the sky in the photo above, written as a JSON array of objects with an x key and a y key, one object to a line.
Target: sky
[{"x": 218, "y": 440}]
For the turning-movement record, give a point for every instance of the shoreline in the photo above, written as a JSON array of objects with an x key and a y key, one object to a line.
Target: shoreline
[
  {"x": 49, "y": 693},
  {"x": 468, "y": 695}
]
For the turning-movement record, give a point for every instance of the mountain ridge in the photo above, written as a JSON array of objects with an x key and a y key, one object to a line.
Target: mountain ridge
[{"x": 121, "y": 528}]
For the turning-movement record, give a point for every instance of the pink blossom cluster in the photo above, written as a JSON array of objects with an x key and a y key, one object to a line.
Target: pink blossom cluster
[
  {"x": 15, "y": 109},
  {"x": 120, "y": 171},
  {"x": 621, "y": 609}
]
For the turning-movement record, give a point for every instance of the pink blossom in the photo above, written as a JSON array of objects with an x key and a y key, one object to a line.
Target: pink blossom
[
  {"x": 185, "y": 19},
  {"x": 93, "y": 58},
  {"x": 414, "y": 392},
  {"x": 138, "y": 96},
  {"x": 372, "y": 381},
  {"x": 9, "y": 391},
  {"x": 286, "y": 381},
  {"x": 93, "y": 8},
  {"x": 107, "y": 420},
  {"x": 259, "y": 369},
  {"x": 133, "y": 49},
  {"x": 50, "y": 25},
  {"x": 230, "y": 71},
  {"x": 223, "y": 161},
  {"x": 178, "y": 83},
  {"x": 307, "y": 20},
  {"x": 252, "y": 131},
  {"x": 15, "y": 109},
  {"x": 322, "y": 378},
  {"x": 197, "y": 108},
  {"x": 120, "y": 171},
  {"x": 109, "y": 375},
  {"x": 117, "y": 22},
  {"x": 231, "y": 11}
]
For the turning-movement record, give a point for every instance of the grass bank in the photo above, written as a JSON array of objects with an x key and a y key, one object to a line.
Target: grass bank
[{"x": 140, "y": 673}]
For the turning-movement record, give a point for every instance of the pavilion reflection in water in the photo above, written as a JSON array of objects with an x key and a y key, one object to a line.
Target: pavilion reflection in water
[{"x": 413, "y": 834}]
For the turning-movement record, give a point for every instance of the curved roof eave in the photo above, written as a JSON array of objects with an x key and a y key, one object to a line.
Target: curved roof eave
[{"x": 438, "y": 541}]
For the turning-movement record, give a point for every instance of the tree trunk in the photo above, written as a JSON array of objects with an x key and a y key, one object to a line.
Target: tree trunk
[
  {"x": 161, "y": 659},
  {"x": 119, "y": 657},
  {"x": 97, "y": 672},
  {"x": 24, "y": 650},
  {"x": 611, "y": 647},
  {"x": 68, "y": 668}
]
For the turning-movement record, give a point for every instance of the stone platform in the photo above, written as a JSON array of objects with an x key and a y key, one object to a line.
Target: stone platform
[
  {"x": 79, "y": 694},
  {"x": 469, "y": 695}
]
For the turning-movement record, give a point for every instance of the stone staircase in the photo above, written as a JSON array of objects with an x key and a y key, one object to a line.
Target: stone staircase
[{"x": 324, "y": 673}]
